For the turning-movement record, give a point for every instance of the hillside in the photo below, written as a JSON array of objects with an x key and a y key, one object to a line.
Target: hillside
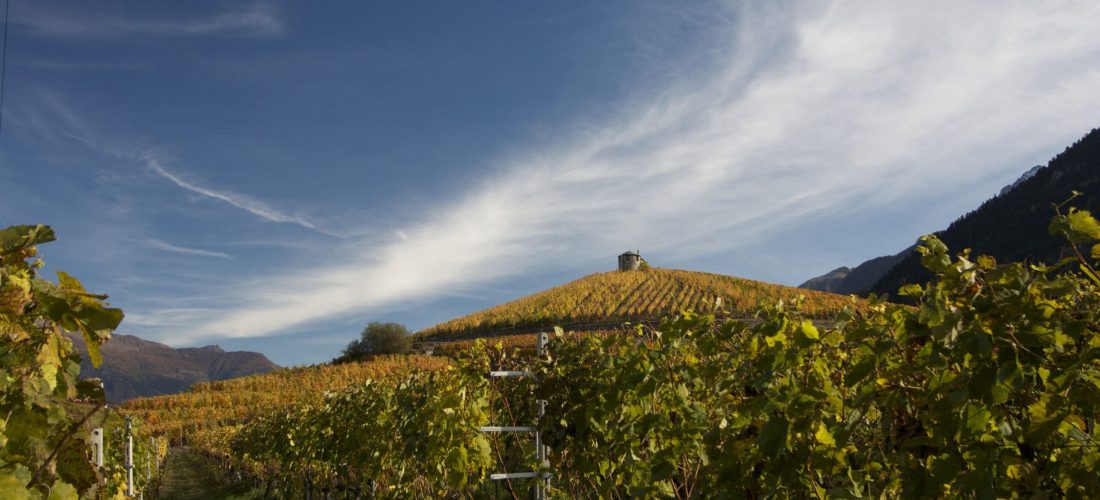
[
  {"x": 133, "y": 367},
  {"x": 1013, "y": 225},
  {"x": 608, "y": 299}
]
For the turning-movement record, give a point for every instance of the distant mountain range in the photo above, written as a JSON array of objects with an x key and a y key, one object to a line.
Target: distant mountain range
[
  {"x": 133, "y": 367},
  {"x": 1011, "y": 226}
]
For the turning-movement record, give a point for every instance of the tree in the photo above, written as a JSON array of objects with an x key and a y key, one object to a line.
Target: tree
[{"x": 377, "y": 338}]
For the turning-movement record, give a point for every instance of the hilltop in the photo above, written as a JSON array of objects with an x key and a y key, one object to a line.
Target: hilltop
[{"x": 608, "y": 299}]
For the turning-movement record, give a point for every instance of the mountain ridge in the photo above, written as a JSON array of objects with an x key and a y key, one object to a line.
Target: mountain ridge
[
  {"x": 1013, "y": 227},
  {"x": 134, "y": 367},
  {"x": 1010, "y": 226}
]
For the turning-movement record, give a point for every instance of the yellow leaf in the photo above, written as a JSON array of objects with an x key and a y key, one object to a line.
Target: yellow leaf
[
  {"x": 824, "y": 436},
  {"x": 809, "y": 330},
  {"x": 63, "y": 491},
  {"x": 49, "y": 359}
]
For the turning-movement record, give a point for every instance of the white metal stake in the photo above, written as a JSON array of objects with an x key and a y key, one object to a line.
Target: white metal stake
[
  {"x": 543, "y": 485},
  {"x": 129, "y": 460},
  {"x": 97, "y": 447}
]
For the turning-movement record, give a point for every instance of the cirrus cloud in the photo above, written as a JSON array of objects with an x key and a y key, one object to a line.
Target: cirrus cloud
[{"x": 801, "y": 110}]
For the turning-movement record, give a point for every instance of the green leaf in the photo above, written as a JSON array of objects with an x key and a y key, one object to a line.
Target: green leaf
[
  {"x": 933, "y": 254},
  {"x": 809, "y": 331},
  {"x": 63, "y": 491},
  {"x": 456, "y": 467},
  {"x": 1079, "y": 226},
  {"x": 16, "y": 238},
  {"x": 12, "y": 480},
  {"x": 483, "y": 449},
  {"x": 860, "y": 371},
  {"x": 773, "y": 436},
  {"x": 977, "y": 418},
  {"x": 1046, "y": 415},
  {"x": 823, "y": 435}
]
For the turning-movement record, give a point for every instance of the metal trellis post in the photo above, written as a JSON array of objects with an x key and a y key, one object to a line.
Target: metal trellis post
[
  {"x": 97, "y": 447},
  {"x": 543, "y": 483},
  {"x": 149, "y": 460},
  {"x": 129, "y": 459}
]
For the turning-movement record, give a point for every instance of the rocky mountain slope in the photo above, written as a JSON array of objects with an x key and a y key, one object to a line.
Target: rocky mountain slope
[{"x": 133, "y": 367}]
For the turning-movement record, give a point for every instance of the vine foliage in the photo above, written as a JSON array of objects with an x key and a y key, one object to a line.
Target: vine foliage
[
  {"x": 42, "y": 449},
  {"x": 989, "y": 386}
]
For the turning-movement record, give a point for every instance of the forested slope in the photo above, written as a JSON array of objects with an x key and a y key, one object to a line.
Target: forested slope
[{"x": 1013, "y": 226}]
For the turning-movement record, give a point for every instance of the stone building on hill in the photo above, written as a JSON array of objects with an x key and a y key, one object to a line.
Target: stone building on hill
[{"x": 631, "y": 260}]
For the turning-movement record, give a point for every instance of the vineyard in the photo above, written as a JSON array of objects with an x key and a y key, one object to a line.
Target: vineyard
[
  {"x": 989, "y": 386},
  {"x": 204, "y": 416},
  {"x": 609, "y": 299},
  {"x": 523, "y": 343}
]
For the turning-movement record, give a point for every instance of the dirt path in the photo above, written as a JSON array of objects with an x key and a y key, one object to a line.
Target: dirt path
[{"x": 187, "y": 476}]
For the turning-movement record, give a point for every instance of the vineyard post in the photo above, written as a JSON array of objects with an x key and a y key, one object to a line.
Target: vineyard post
[
  {"x": 148, "y": 461},
  {"x": 543, "y": 478},
  {"x": 129, "y": 459},
  {"x": 540, "y": 449},
  {"x": 97, "y": 447}
]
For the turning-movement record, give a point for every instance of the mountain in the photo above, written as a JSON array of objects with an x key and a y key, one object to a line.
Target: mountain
[
  {"x": 859, "y": 279},
  {"x": 606, "y": 300},
  {"x": 1011, "y": 226},
  {"x": 1026, "y": 175},
  {"x": 133, "y": 367},
  {"x": 831, "y": 281}
]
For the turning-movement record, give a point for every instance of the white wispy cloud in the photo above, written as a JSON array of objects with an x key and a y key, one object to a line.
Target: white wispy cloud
[
  {"x": 51, "y": 119},
  {"x": 802, "y": 110},
  {"x": 168, "y": 247},
  {"x": 243, "y": 202},
  {"x": 259, "y": 20}
]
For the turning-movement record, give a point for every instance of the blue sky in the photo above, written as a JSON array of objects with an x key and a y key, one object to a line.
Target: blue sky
[{"x": 272, "y": 176}]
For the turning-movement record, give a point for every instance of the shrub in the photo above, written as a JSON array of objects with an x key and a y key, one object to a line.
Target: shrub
[{"x": 377, "y": 338}]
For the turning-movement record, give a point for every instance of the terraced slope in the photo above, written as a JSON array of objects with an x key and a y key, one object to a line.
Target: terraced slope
[{"x": 607, "y": 299}]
